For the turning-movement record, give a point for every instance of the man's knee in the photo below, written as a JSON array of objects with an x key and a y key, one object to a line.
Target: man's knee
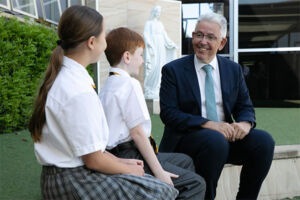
[
  {"x": 264, "y": 140},
  {"x": 217, "y": 145}
]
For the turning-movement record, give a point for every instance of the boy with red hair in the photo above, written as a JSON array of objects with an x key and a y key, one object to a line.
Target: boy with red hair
[{"x": 129, "y": 121}]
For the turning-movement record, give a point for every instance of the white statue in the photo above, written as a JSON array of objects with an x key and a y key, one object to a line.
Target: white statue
[{"x": 159, "y": 49}]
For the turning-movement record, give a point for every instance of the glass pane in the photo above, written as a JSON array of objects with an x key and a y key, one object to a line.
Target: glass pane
[
  {"x": 269, "y": 23},
  {"x": 91, "y": 4},
  {"x": 273, "y": 78},
  {"x": 51, "y": 10},
  {"x": 190, "y": 10},
  {"x": 63, "y": 5},
  {"x": 190, "y": 27},
  {"x": 4, "y": 2},
  {"x": 212, "y": 7},
  {"x": 75, "y": 2},
  {"x": 25, "y": 6},
  {"x": 39, "y": 9}
]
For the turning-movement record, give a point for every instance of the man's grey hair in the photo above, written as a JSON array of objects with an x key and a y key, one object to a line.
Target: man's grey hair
[{"x": 216, "y": 18}]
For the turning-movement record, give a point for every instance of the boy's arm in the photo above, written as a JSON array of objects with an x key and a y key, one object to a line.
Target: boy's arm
[{"x": 143, "y": 144}]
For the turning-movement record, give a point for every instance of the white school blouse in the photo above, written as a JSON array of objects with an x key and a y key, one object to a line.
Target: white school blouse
[
  {"x": 75, "y": 121},
  {"x": 124, "y": 106}
]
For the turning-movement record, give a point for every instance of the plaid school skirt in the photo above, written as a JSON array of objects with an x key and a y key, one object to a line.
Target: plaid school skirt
[{"x": 82, "y": 183}]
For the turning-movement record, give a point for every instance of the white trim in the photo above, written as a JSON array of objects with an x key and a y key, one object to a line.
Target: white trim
[
  {"x": 50, "y": 21},
  {"x": 43, "y": 9},
  {"x": 236, "y": 30},
  {"x": 269, "y": 49},
  {"x": 59, "y": 8},
  {"x": 26, "y": 13},
  {"x": 97, "y": 5},
  {"x": 50, "y": 2},
  {"x": 98, "y": 63},
  {"x": 231, "y": 32},
  {"x": 224, "y": 55},
  {"x": 8, "y": 5}
]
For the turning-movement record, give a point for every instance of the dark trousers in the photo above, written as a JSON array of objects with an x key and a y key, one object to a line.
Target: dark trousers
[
  {"x": 189, "y": 184},
  {"x": 211, "y": 151}
]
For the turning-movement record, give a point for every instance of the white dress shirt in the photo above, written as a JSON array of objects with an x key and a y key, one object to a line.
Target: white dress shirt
[
  {"x": 217, "y": 86},
  {"x": 124, "y": 106},
  {"x": 75, "y": 121}
]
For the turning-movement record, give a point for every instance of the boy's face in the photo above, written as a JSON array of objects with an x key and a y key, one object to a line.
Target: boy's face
[{"x": 136, "y": 61}]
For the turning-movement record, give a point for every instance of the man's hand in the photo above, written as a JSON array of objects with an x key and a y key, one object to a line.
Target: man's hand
[
  {"x": 225, "y": 128},
  {"x": 241, "y": 129}
]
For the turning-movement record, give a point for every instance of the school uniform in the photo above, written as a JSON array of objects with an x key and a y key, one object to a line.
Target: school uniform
[
  {"x": 125, "y": 108},
  {"x": 76, "y": 126}
]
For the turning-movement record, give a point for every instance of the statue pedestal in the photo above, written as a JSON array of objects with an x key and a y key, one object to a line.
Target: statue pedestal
[{"x": 153, "y": 106}]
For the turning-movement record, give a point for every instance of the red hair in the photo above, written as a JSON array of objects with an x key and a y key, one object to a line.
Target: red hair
[{"x": 120, "y": 40}]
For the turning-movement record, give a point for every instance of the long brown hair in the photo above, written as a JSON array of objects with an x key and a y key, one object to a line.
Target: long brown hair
[{"x": 77, "y": 24}]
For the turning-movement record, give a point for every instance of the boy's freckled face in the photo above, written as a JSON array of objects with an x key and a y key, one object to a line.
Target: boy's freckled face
[{"x": 136, "y": 61}]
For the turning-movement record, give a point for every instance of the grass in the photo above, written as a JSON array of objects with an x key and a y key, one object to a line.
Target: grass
[
  {"x": 20, "y": 172},
  {"x": 282, "y": 123}
]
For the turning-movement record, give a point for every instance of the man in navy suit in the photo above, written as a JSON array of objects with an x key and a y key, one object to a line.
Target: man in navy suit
[{"x": 200, "y": 96}]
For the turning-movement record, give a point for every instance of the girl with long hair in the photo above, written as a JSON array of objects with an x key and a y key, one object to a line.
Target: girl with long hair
[{"x": 69, "y": 128}]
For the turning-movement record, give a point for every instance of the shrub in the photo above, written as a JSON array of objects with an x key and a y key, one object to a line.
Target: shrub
[{"x": 25, "y": 49}]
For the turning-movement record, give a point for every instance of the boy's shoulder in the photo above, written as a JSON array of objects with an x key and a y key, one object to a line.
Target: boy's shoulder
[{"x": 120, "y": 85}]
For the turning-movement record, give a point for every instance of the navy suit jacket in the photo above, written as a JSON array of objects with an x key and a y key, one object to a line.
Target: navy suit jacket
[{"x": 180, "y": 100}]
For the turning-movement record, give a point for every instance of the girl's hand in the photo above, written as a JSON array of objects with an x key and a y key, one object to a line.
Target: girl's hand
[
  {"x": 132, "y": 162},
  {"x": 136, "y": 170}
]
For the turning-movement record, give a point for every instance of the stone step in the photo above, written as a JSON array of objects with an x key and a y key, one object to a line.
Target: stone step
[{"x": 283, "y": 180}]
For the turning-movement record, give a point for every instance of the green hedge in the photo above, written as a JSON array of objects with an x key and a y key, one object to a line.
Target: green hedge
[{"x": 25, "y": 49}]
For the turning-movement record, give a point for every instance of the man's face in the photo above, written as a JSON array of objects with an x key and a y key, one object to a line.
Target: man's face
[{"x": 207, "y": 40}]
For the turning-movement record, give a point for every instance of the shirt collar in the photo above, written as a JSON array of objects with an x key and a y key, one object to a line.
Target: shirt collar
[
  {"x": 72, "y": 64},
  {"x": 199, "y": 64},
  {"x": 120, "y": 71}
]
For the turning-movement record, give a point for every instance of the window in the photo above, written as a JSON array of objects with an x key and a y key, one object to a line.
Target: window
[
  {"x": 269, "y": 23},
  {"x": 52, "y": 10},
  {"x": 4, "y": 3},
  {"x": 272, "y": 77},
  {"x": 27, "y": 7}
]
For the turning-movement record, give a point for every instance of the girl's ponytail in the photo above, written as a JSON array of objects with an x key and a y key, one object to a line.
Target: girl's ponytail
[
  {"x": 38, "y": 118},
  {"x": 77, "y": 24}
]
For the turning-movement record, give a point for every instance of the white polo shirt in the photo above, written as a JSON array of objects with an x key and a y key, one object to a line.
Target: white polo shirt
[
  {"x": 75, "y": 121},
  {"x": 217, "y": 86},
  {"x": 124, "y": 106}
]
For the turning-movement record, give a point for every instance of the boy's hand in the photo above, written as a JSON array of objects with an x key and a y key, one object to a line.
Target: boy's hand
[{"x": 166, "y": 176}]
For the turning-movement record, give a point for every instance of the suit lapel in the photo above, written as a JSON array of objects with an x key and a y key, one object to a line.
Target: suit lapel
[
  {"x": 224, "y": 79},
  {"x": 191, "y": 77}
]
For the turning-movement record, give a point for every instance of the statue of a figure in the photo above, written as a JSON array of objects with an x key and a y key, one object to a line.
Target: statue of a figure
[{"x": 159, "y": 49}]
